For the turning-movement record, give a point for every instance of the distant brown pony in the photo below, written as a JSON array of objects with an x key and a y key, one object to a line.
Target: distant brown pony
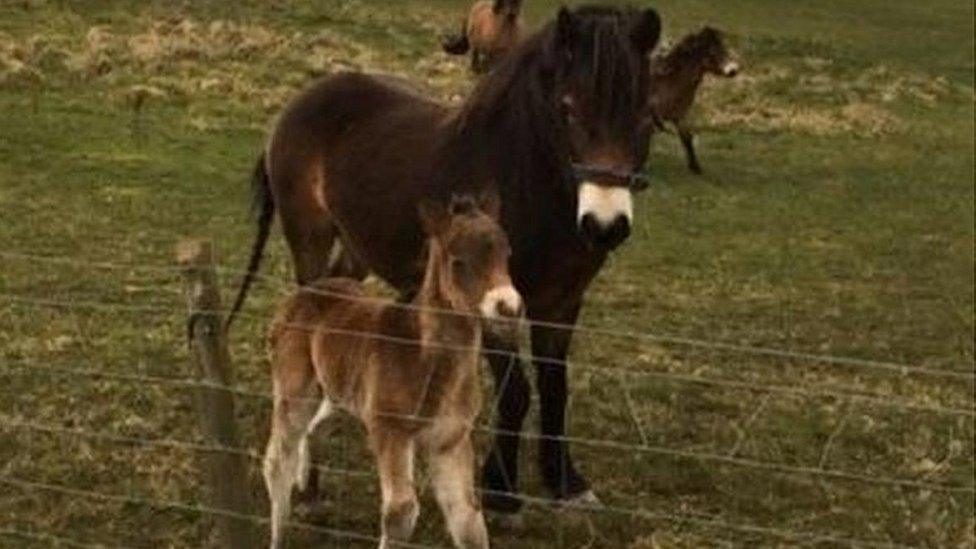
[
  {"x": 559, "y": 131},
  {"x": 676, "y": 76},
  {"x": 410, "y": 374},
  {"x": 491, "y": 30}
]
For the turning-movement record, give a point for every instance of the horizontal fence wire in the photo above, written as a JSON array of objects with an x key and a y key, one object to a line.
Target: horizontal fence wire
[
  {"x": 54, "y": 540},
  {"x": 899, "y": 368},
  {"x": 699, "y": 519},
  {"x": 740, "y": 462},
  {"x": 855, "y": 394},
  {"x": 193, "y": 508},
  {"x": 702, "y": 520}
]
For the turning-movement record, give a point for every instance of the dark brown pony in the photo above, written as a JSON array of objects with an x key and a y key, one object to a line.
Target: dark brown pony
[
  {"x": 409, "y": 374},
  {"x": 676, "y": 76},
  {"x": 559, "y": 131},
  {"x": 491, "y": 30}
]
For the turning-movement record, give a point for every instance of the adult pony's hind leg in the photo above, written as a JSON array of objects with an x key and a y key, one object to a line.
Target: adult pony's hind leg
[
  {"x": 550, "y": 347},
  {"x": 688, "y": 141},
  {"x": 499, "y": 476},
  {"x": 313, "y": 237},
  {"x": 314, "y": 244}
]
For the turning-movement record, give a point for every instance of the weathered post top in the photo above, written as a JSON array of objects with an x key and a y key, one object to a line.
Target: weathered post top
[{"x": 196, "y": 256}]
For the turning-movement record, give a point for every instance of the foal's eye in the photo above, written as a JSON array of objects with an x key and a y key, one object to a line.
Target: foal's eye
[{"x": 458, "y": 265}]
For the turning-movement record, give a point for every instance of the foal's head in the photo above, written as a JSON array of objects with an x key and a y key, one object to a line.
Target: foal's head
[
  {"x": 468, "y": 258},
  {"x": 707, "y": 46},
  {"x": 601, "y": 81}
]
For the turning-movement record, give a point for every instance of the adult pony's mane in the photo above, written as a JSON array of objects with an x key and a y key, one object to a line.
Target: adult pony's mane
[{"x": 509, "y": 131}]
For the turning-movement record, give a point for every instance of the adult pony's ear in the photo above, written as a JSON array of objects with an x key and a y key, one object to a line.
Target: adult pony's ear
[
  {"x": 646, "y": 30},
  {"x": 434, "y": 216}
]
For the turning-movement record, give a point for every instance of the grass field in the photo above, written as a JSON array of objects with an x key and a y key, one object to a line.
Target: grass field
[{"x": 835, "y": 218}]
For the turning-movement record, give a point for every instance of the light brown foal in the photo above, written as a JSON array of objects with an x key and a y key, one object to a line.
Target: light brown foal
[{"x": 409, "y": 372}]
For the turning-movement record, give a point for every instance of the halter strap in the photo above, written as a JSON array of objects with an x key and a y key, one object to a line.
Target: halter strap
[{"x": 636, "y": 181}]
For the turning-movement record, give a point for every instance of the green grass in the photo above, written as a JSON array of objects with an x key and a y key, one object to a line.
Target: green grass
[{"x": 836, "y": 217}]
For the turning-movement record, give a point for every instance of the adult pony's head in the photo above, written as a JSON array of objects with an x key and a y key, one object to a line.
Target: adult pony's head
[
  {"x": 601, "y": 86},
  {"x": 570, "y": 107}
]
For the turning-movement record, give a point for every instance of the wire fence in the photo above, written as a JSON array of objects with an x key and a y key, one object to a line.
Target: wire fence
[{"x": 849, "y": 395}]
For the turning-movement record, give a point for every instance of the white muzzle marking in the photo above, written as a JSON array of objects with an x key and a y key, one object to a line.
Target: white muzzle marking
[
  {"x": 730, "y": 69},
  {"x": 604, "y": 203},
  {"x": 501, "y": 295}
]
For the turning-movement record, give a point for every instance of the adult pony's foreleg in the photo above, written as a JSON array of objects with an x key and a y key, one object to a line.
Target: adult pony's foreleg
[
  {"x": 550, "y": 347},
  {"x": 500, "y": 472}
]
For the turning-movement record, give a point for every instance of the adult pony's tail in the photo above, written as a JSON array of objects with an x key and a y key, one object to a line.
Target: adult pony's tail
[
  {"x": 263, "y": 205},
  {"x": 457, "y": 44}
]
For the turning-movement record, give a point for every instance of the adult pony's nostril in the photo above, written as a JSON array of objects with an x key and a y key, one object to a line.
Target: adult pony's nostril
[
  {"x": 588, "y": 227},
  {"x": 618, "y": 231},
  {"x": 606, "y": 237}
]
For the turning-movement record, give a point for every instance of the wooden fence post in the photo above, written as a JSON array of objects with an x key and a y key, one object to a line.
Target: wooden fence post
[{"x": 215, "y": 402}]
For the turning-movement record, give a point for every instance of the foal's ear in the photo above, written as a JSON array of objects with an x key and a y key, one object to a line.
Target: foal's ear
[
  {"x": 434, "y": 217},
  {"x": 646, "y": 30}
]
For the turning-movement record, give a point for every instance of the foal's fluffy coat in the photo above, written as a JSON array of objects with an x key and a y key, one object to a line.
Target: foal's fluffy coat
[{"x": 409, "y": 372}]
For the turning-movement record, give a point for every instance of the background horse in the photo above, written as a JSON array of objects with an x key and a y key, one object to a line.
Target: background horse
[
  {"x": 677, "y": 75},
  {"x": 559, "y": 131},
  {"x": 491, "y": 30}
]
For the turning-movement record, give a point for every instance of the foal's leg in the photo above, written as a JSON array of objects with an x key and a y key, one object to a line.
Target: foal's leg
[
  {"x": 305, "y": 475},
  {"x": 452, "y": 475},
  {"x": 500, "y": 472},
  {"x": 688, "y": 140},
  {"x": 550, "y": 347},
  {"x": 283, "y": 467},
  {"x": 394, "y": 457}
]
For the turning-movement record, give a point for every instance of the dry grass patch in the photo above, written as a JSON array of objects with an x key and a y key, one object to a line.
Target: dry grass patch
[
  {"x": 180, "y": 58},
  {"x": 764, "y": 99}
]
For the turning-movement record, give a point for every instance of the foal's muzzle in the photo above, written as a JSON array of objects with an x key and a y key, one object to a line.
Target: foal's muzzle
[{"x": 502, "y": 308}]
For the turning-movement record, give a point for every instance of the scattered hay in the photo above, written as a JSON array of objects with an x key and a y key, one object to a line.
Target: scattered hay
[
  {"x": 180, "y": 59},
  {"x": 863, "y": 119},
  {"x": 813, "y": 100}
]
